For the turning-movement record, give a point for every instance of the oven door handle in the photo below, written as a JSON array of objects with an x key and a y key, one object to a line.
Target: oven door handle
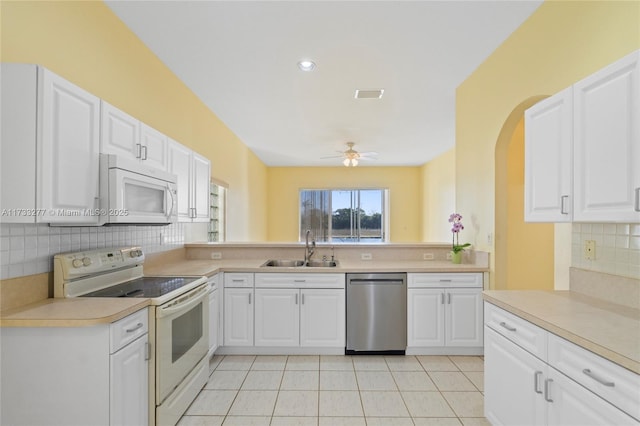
[{"x": 183, "y": 303}]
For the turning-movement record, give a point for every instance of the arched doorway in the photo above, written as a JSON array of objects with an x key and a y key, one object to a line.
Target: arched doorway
[{"x": 524, "y": 252}]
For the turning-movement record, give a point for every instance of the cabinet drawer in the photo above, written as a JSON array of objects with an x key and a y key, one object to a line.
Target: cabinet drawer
[
  {"x": 238, "y": 279},
  {"x": 300, "y": 280},
  {"x": 615, "y": 384},
  {"x": 521, "y": 332},
  {"x": 128, "y": 329},
  {"x": 444, "y": 280}
]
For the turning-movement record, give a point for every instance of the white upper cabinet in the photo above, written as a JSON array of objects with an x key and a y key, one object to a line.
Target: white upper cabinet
[
  {"x": 50, "y": 147},
  {"x": 120, "y": 132},
  {"x": 607, "y": 143},
  {"x": 128, "y": 137},
  {"x": 582, "y": 149},
  {"x": 193, "y": 171},
  {"x": 548, "y": 141}
]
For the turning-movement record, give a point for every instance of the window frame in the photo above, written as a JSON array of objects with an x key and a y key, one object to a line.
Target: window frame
[{"x": 385, "y": 212}]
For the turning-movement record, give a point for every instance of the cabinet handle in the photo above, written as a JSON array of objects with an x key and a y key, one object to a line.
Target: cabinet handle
[
  {"x": 597, "y": 378},
  {"x": 237, "y": 280},
  {"x": 147, "y": 355},
  {"x": 448, "y": 298},
  {"x": 547, "y": 392},
  {"x": 299, "y": 281},
  {"x": 442, "y": 298},
  {"x": 138, "y": 150},
  {"x": 144, "y": 152},
  {"x": 562, "y": 204},
  {"x": 303, "y": 299},
  {"x": 296, "y": 298},
  {"x": 636, "y": 207},
  {"x": 249, "y": 298},
  {"x": 536, "y": 376},
  {"x": 504, "y": 324},
  {"x": 445, "y": 281},
  {"x": 131, "y": 330}
]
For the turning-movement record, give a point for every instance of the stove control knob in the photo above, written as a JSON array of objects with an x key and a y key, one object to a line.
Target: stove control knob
[
  {"x": 77, "y": 263},
  {"x": 86, "y": 261}
]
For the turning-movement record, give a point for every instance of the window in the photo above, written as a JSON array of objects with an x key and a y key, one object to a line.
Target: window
[
  {"x": 344, "y": 215},
  {"x": 217, "y": 216}
]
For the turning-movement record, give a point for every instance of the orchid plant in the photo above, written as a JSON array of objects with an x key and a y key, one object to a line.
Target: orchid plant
[{"x": 456, "y": 226}]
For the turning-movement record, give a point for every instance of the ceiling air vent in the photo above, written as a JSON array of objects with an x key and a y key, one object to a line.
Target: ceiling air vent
[{"x": 369, "y": 94}]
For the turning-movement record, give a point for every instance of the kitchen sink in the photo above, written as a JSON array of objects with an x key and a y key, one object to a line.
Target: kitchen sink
[
  {"x": 283, "y": 263},
  {"x": 322, "y": 264},
  {"x": 288, "y": 263}
]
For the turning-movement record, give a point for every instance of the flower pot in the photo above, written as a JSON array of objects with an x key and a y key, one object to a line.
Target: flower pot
[{"x": 456, "y": 257}]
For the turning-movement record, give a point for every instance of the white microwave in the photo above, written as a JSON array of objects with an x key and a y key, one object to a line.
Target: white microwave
[{"x": 133, "y": 193}]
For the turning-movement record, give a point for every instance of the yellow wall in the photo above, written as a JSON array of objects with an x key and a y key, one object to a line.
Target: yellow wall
[
  {"x": 524, "y": 241},
  {"x": 562, "y": 42},
  {"x": 87, "y": 44},
  {"x": 405, "y": 196},
  {"x": 439, "y": 197}
]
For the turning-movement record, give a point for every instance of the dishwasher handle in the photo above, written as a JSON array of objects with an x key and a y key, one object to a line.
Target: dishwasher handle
[{"x": 375, "y": 282}]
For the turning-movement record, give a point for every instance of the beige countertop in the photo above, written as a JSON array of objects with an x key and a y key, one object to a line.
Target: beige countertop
[
  {"x": 72, "y": 312},
  {"x": 210, "y": 267},
  {"x": 609, "y": 330}
]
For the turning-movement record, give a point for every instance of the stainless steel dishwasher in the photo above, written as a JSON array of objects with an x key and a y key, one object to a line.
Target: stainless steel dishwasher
[{"x": 376, "y": 313}]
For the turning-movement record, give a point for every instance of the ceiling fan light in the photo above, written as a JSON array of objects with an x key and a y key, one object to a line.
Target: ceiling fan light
[
  {"x": 346, "y": 162},
  {"x": 354, "y": 162}
]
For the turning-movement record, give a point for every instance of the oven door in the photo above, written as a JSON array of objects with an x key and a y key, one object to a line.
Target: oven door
[
  {"x": 182, "y": 338},
  {"x": 137, "y": 198}
]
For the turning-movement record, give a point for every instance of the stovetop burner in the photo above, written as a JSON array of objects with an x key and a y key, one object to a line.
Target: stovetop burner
[{"x": 149, "y": 287}]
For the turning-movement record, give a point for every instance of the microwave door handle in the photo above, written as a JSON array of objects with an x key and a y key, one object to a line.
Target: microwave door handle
[{"x": 172, "y": 202}]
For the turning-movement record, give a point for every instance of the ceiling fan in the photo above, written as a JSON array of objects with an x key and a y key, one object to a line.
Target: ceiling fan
[{"x": 352, "y": 157}]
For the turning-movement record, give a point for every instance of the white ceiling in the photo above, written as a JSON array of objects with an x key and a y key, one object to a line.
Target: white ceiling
[{"x": 239, "y": 58}]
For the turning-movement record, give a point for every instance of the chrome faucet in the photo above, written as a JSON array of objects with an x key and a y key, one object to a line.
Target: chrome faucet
[{"x": 309, "y": 249}]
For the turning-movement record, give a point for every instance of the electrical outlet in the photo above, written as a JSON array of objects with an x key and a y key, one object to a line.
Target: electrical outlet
[
  {"x": 589, "y": 250},
  {"x": 449, "y": 256},
  {"x": 427, "y": 256},
  {"x": 216, "y": 255},
  {"x": 366, "y": 256}
]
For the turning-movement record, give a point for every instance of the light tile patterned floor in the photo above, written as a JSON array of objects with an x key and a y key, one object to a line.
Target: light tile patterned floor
[{"x": 341, "y": 390}]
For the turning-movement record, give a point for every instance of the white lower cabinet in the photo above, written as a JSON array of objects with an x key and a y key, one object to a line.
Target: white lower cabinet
[
  {"x": 444, "y": 311},
  {"x": 214, "y": 313},
  {"x": 238, "y": 316},
  {"x": 300, "y": 310},
  {"x": 300, "y": 317},
  {"x": 524, "y": 389},
  {"x": 95, "y": 375}
]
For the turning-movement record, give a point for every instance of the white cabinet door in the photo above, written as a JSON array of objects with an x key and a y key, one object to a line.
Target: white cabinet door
[
  {"x": 277, "y": 317},
  {"x": 425, "y": 317},
  {"x": 18, "y": 97},
  {"x": 548, "y": 138},
  {"x": 68, "y": 151},
  {"x": 214, "y": 318},
  {"x": 322, "y": 317},
  {"x": 180, "y": 165},
  {"x": 238, "y": 316},
  {"x": 120, "y": 133},
  {"x": 194, "y": 173},
  {"x": 154, "y": 147},
  {"x": 513, "y": 383},
  {"x": 463, "y": 317},
  {"x": 201, "y": 176},
  {"x": 607, "y": 144},
  {"x": 570, "y": 404},
  {"x": 129, "y": 390}
]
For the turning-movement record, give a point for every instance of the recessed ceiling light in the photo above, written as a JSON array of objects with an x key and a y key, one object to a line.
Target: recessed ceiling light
[
  {"x": 369, "y": 94},
  {"x": 306, "y": 65}
]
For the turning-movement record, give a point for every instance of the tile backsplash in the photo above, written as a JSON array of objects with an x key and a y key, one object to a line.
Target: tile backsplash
[
  {"x": 28, "y": 249},
  {"x": 617, "y": 248}
]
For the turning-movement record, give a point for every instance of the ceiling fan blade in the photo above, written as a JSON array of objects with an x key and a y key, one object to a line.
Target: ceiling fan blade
[
  {"x": 370, "y": 154},
  {"x": 332, "y": 156}
]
